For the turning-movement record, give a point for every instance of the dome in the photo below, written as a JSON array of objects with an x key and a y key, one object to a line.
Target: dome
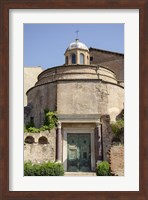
[{"x": 77, "y": 45}]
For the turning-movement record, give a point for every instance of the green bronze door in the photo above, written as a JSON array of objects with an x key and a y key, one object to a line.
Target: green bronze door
[{"x": 78, "y": 152}]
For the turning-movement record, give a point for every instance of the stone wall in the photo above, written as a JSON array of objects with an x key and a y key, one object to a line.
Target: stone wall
[
  {"x": 75, "y": 97},
  {"x": 107, "y": 136},
  {"x": 75, "y": 90},
  {"x": 81, "y": 97},
  {"x": 89, "y": 97},
  {"x": 40, "y": 147},
  {"x": 117, "y": 160},
  {"x": 115, "y": 102},
  {"x": 30, "y": 78},
  {"x": 39, "y": 99},
  {"x": 76, "y": 72}
]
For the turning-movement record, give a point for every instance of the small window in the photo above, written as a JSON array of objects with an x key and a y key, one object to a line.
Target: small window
[
  {"x": 81, "y": 58},
  {"x": 73, "y": 58},
  {"x": 91, "y": 58},
  {"x": 29, "y": 140},
  {"x": 43, "y": 140}
]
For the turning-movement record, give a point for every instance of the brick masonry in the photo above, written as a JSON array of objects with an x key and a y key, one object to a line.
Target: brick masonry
[
  {"x": 114, "y": 61},
  {"x": 117, "y": 160}
]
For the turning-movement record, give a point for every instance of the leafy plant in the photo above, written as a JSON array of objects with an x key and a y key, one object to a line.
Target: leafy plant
[
  {"x": 33, "y": 130},
  {"x": 50, "y": 123},
  {"x": 44, "y": 128},
  {"x": 117, "y": 127},
  {"x": 103, "y": 169},
  {"x": 50, "y": 119},
  {"x": 44, "y": 169}
]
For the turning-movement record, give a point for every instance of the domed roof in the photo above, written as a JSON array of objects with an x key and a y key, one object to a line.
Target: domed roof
[{"x": 77, "y": 45}]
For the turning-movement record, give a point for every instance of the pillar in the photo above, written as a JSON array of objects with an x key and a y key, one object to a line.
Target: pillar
[
  {"x": 99, "y": 142},
  {"x": 59, "y": 143}
]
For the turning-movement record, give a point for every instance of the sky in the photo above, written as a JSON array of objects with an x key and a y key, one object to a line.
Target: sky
[{"x": 45, "y": 44}]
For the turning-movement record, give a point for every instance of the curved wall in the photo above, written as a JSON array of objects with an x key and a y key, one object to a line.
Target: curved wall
[
  {"x": 75, "y": 90},
  {"x": 89, "y": 97},
  {"x": 41, "y": 98},
  {"x": 76, "y": 72}
]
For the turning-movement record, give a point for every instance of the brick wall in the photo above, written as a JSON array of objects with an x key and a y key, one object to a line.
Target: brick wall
[
  {"x": 117, "y": 160},
  {"x": 114, "y": 61}
]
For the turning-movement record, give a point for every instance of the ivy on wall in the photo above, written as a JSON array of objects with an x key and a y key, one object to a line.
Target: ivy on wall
[{"x": 50, "y": 123}]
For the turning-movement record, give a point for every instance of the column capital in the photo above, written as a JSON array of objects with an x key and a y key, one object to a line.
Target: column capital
[
  {"x": 59, "y": 124},
  {"x": 98, "y": 123}
]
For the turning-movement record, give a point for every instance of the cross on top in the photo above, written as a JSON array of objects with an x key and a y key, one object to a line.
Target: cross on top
[{"x": 77, "y": 33}]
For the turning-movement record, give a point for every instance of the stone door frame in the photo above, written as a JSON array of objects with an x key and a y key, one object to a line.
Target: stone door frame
[{"x": 91, "y": 131}]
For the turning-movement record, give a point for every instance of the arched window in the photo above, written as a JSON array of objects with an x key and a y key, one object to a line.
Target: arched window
[
  {"x": 81, "y": 58},
  {"x": 43, "y": 140},
  {"x": 73, "y": 58},
  {"x": 66, "y": 60},
  {"x": 29, "y": 140}
]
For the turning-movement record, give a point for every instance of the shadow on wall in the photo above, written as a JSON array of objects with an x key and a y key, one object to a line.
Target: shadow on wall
[
  {"x": 29, "y": 140},
  {"x": 43, "y": 140}
]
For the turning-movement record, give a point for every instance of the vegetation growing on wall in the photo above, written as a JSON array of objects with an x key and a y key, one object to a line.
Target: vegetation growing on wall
[
  {"x": 50, "y": 119},
  {"x": 43, "y": 169},
  {"x": 50, "y": 123},
  {"x": 30, "y": 124},
  {"x": 117, "y": 126},
  {"x": 117, "y": 129}
]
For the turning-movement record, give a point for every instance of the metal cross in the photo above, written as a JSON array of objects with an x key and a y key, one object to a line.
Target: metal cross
[{"x": 77, "y": 33}]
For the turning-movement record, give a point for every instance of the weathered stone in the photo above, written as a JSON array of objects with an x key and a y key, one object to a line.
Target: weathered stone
[
  {"x": 30, "y": 78},
  {"x": 87, "y": 98},
  {"x": 40, "y": 152},
  {"x": 106, "y": 136}
]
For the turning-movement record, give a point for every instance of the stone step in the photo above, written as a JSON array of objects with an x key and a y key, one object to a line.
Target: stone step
[{"x": 80, "y": 174}]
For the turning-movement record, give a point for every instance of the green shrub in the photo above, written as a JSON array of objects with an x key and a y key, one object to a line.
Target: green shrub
[
  {"x": 50, "y": 119},
  {"x": 44, "y": 169},
  {"x": 36, "y": 130},
  {"x": 44, "y": 128},
  {"x": 33, "y": 130},
  {"x": 103, "y": 169},
  {"x": 28, "y": 169}
]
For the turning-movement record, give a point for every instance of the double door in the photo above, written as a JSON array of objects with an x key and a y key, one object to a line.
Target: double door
[{"x": 78, "y": 152}]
